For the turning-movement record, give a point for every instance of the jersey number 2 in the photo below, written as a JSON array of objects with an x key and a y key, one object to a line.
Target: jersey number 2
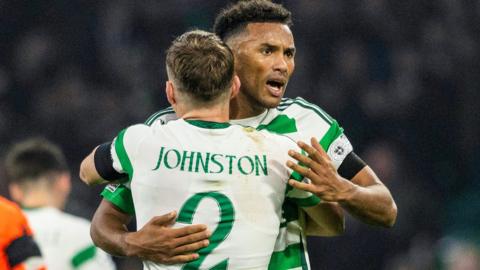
[{"x": 227, "y": 216}]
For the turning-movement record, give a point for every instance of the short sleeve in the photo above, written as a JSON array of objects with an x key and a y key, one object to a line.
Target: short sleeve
[
  {"x": 123, "y": 150},
  {"x": 120, "y": 196},
  {"x": 312, "y": 121}
]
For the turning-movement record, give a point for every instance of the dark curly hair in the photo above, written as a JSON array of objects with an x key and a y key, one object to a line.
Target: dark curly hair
[{"x": 235, "y": 17}]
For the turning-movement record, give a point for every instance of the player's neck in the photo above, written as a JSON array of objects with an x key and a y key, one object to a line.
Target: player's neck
[
  {"x": 39, "y": 199},
  {"x": 211, "y": 114},
  {"x": 241, "y": 108}
]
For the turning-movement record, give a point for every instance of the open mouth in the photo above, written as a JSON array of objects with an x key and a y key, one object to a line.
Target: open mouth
[{"x": 275, "y": 87}]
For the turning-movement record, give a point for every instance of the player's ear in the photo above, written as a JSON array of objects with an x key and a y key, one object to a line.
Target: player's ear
[
  {"x": 63, "y": 183},
  {"x": 235, "y": 86},
  {"x": 170, "y": 91},
  {"x": 16, "y": 192},
  {"x": 62, "y": 187}
]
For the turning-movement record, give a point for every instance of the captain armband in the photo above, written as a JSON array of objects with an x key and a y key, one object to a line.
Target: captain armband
[
  {"x": 20, "y": 249},
  {"x": 351, "y": 165},
  {"x": 104, "y": 163}
]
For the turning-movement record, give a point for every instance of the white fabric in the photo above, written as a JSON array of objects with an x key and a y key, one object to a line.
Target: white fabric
[{"x": 61, "y": 236}]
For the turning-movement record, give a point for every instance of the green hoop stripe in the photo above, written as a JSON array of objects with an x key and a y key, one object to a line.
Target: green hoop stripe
[
  {"x": 332, "y": 133},
  {"x": 281, "y": 124},
  {"x": 83, "y": 256},
  {"x": 122, "y": 154},
  {"x": 286, "y": 259}
]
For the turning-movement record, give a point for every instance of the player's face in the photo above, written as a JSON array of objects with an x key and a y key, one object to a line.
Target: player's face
[{"x": 264, "y": 61}]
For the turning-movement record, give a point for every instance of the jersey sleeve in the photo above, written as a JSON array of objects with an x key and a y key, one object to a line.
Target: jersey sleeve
[
  {"x": 120, "y": 196},
  {"x": 123, "y": 151},
  {"x": 312, "y": 121},
  {"x": 124, "y": 148},
  {"x": 161, "y": 117}
]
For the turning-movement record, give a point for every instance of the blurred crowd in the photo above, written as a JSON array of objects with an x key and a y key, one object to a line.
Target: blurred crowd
[{"x": 401, "y": 77}]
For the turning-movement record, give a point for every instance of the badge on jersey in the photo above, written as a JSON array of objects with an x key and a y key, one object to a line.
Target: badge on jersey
[
  {"x": 112, "y": 187},
  {"x": 339, "y": 149}
]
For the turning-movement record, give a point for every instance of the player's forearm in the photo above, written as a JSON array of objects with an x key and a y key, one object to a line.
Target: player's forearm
[
  {"x": 325, "y": 219},
  {"x": 372, "y": 204},
  {"x": 109, "y": 231},
  {"x": 88, "y": 173}
]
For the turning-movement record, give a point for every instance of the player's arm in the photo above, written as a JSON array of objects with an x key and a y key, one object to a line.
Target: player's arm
[
  {"x": 88, "y": 172},
  {"x": 155, "y": 241},
  {"x": 324, "y": 219},
  {"x": 364, "y": 196}
]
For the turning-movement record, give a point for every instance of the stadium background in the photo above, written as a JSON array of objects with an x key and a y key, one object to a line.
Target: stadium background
[{"x": 400, "y": 76}]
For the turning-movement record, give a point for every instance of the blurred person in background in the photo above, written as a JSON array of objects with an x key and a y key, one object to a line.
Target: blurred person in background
[
  {"x": 39, "y": 180},
  {"x": 258, "y": 32},
  {"x": 18, "y": 250}
]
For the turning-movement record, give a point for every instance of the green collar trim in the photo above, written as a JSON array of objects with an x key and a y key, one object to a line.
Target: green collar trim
[
  {"x": 207, "y": 124},
  {"x": 31, "y": 208}
]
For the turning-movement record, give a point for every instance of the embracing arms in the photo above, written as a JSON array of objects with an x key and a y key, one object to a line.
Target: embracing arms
[{"x": 156, "y": 241}]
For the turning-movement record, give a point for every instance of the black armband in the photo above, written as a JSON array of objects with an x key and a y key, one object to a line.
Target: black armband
[
  {"x": 21, "y": 249},
  {"x": 351, "y": 165},
  {"x": 104, "y": 163}
]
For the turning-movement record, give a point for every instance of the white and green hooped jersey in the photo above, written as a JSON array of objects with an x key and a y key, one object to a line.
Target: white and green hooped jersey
[
  {"x": 65, "y": 242},
  {"x": 300, "y": 120},
  {"x": 230, "y": 177}
]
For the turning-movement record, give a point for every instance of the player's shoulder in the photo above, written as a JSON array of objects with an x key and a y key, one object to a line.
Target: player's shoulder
[
  {"x": 50, "y": 215},
  {"x": 268, "y": 137},
  {"x": 8, "y": 207},
  {"x": 299, "y": 107},
  {"x": 161, "y": 116},
  {"x": 10, "y": 211},
  {"x": 135, "y": 131}
]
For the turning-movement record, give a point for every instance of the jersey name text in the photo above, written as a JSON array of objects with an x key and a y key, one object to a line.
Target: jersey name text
[{"x": 211, "y": 163}]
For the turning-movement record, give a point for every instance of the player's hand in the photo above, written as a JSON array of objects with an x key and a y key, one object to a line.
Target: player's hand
[
  {"x": 325, "y": 182},
  {"x": 158, "y": 242}
]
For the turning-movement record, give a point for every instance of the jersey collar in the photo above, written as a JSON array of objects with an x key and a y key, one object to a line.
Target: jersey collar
[{"x": 208, "y": 124}]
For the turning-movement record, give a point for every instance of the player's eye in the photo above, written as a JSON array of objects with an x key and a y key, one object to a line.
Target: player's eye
[
  {"x": 267, "y": 51},
  {"x": 290, "y": 54}
]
